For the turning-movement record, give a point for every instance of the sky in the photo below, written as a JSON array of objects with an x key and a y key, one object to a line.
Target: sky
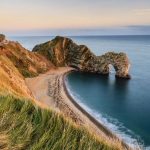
[{"x": 74, "y": 17}]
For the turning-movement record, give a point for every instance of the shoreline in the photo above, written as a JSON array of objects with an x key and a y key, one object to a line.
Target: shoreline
[
  {"x": 97, "y": 123},
  {"x": 50, "y": 88},
  {"x": 101, "y": 127}
]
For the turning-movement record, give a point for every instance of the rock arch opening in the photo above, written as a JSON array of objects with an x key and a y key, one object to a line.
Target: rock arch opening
[{"x": 112, "y": 69}]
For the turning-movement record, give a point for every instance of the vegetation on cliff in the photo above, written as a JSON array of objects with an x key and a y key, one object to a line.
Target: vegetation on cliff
[
  {"x": 29, "y": 64},
  {"x": 16, "y": 63}
]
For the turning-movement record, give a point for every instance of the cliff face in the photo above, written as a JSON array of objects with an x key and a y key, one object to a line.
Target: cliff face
[
  {"x": 64, "y": 52},
  {"x": 16, "y": 63}
]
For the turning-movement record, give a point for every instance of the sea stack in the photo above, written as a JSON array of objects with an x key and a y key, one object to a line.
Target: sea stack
[
  {"x": 64, "y": 52},
  {"x": 2, "y": 37}
]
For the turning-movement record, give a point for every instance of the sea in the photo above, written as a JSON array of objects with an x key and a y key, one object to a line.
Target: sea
[{"x": 123, "y": 106}]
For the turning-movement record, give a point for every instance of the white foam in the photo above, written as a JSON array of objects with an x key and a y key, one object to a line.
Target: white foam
[
  {"x": 113, "y": 124},
  {"x": 147, "y": 148}
]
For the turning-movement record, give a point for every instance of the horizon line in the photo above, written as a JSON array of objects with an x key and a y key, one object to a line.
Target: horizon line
[{"x": 76, "y": 35}]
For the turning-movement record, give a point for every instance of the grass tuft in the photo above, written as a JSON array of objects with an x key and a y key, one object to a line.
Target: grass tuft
[{"x": 25, "y": 126}]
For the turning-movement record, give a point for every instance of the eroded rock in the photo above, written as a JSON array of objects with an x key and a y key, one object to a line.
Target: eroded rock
[
  {"x": 2, "y": 37},
  {"x": 64, "y": 52}
]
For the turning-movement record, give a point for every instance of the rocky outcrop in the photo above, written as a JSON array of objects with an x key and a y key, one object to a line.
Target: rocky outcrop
[
  {"x": 2, "y": 37},
  {"x": 64, "y": 52}
]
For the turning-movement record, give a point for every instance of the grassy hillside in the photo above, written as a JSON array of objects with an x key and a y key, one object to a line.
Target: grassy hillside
[
  {"x": 28, "y": 63},
  {"x": 25, "y": 126},
  {"x": 16, "y": 63}
]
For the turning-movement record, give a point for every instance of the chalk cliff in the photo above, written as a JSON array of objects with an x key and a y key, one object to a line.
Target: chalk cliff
[{"x": 64, "y": 52}]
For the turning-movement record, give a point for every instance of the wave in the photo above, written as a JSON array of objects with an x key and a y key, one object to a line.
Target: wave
[{"x": 113, "y": 124}]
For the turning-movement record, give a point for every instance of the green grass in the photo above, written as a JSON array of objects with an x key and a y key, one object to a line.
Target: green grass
[
  {"x": 26, "y": 126},
  {"x": 26, "y": 73}
]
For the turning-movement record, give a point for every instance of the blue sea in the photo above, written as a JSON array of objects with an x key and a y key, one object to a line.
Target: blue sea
[{"x": 121, "y": 105}]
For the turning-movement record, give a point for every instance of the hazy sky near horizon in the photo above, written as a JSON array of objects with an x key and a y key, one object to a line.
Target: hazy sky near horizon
[{"x": 45, "y": 17}]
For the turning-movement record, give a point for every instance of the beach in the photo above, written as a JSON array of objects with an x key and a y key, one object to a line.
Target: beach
[{"x": 50, "y": 89}]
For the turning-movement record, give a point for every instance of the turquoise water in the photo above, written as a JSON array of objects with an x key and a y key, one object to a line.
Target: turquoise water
[{"x": 122, "y": 105}]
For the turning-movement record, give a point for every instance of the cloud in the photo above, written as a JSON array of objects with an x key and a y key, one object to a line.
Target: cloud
[
  {"x": 140, "y": 27},
  {"x": 145, "y": 11}
]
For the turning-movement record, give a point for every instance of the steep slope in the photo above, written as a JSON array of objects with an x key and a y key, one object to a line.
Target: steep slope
[
  {"x": 25, "y": 126},
  {"x": 16, "y": 63},
  {"x": 64, "y": 52}
]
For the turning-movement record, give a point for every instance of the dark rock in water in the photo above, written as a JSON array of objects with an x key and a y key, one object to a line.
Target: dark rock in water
[
  {"x": 64, "y": 52},
  {"x": 2, "y": 37}
]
